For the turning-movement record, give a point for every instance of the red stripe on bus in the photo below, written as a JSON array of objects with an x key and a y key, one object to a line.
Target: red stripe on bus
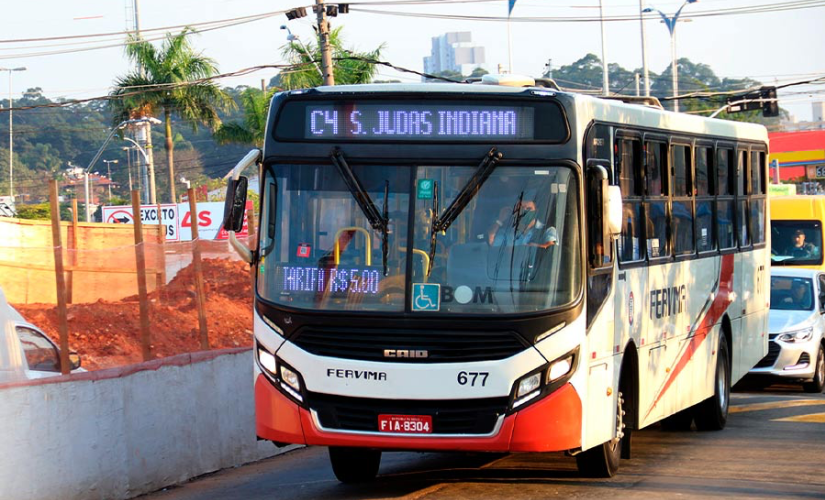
[
  {"x": 712, "y": 315},
  {"x": 276, "y": 417}
]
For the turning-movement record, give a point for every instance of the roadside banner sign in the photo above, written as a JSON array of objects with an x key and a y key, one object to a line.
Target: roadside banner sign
[
  {"x": 148, "y": 216},
  {"x": 210, "y": 217},
  {"x": 178, "y": 219}
]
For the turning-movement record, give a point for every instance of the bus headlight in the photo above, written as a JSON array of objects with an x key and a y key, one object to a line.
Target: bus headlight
[
  {"x": 280, "y": 373},
  {"x": 528, "y": 388},
  {"x": 797, "y": 336},
  {"x": 291, "y": 378},
  {"x": 560, "y": 368},
  {"x": 267, "y": 361}
]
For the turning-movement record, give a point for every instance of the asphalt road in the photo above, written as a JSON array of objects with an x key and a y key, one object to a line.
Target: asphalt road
[{"x": 773, "y": 447}]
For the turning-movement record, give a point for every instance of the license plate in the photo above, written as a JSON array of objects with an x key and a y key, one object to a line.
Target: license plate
[{"x": 408, "y": 424}]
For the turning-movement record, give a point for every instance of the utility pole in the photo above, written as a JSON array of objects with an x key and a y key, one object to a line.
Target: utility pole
[
  {"x": 128, "y": 151},
  {"x": 644, "y": 48},
  {"x": 144, "y": 135},
  {"x": 323, "y": 38},
  {"x": 605, "y": 77},
  {"x": 109, "y": 173}
]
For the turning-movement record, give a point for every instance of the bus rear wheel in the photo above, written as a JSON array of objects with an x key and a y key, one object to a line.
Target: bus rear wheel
[
  {"x": 354, "y": 465},
  {"x": 712, "y": 413},
  {"x": 603, "y": 460}
]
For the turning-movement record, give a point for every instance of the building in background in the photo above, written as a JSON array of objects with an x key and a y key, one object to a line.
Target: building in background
[
  {"x": 454, "y": 52},
  {"x": 800, "y": 158}
]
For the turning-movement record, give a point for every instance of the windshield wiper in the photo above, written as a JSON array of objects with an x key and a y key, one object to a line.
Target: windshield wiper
[
  {"x": 485, "y": 168},
  {"x": 460, "y": 202},
  {"x": 378, "y": 221}
]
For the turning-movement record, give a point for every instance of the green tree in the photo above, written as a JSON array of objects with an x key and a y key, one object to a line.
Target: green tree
[
  {"x": 171, "y": 80},
  {"x": 43, "y": 211},
  {"x": 349, "y": 67},
  {"x": 255, "y": 105}
]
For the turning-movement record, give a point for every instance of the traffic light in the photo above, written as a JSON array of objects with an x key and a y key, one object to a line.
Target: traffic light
[
  {"x": 764, "y": 99},
  {"x": 296, "y": 13},
  {"x": 770, "y": 106}
]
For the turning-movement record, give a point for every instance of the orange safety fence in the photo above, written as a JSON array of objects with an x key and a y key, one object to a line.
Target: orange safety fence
[{"x": 103, "y": 299}]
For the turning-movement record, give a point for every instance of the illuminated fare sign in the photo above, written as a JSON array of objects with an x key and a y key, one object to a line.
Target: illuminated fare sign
[
  {"x": 418, "y": 122},
  {"x": 294, "y": 279}
]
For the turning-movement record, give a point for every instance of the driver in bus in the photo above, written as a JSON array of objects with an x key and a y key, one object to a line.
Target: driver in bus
[
  {"x": 529, "y": 231},
  {"x": 799, "y": 248}
]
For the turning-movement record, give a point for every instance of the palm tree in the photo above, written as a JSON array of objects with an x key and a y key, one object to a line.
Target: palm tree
[
  {"x": 349, "y": 67},
  {"x": 255, "y": 104},
  {"x": 170, "y": 79}
]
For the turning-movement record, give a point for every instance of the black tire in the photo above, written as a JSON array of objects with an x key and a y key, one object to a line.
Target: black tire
[
  {"x": 354, "y": 465},
  {"x": 712, "y": 413},
  {"x": 818, "y": 383},
  {"x": 679, "y": 421},
  {"x": 602, "y": 461}
]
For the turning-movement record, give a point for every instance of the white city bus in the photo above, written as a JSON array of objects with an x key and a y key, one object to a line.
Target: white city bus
[{"x": 500, "y": 269}]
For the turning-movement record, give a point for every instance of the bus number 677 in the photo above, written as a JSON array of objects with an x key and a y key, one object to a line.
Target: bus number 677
[{"x": 473, "y": 378}]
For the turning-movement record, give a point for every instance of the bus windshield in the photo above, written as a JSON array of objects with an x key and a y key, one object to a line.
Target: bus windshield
[
  {"x": 795, "y": 243},
  {"x": 514, "y": 248}
]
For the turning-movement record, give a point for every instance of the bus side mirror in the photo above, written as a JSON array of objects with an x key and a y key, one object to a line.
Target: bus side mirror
[
  {"x": 614, "y": 209},
  {"x": 235, "y": 206}
]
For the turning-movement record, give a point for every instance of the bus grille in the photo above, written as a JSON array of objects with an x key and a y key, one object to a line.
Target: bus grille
[
  {"x": 773, "y": 353},
  {"x": 441, "y": 346},
  {"x": 465, "y": 416}
]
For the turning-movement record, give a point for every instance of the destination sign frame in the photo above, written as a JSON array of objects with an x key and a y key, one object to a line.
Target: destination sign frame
[{"x": 437, "y": 120}]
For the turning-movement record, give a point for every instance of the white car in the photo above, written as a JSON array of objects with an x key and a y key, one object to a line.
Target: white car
[
  {"x": 796, "y": 350},
  {"x": 25, "y": 351}
]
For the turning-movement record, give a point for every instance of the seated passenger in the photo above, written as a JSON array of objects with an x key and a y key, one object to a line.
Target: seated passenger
[{"x": 525, "y": 229}]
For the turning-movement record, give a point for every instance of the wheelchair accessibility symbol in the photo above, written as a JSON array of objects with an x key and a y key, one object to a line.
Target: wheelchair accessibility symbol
[{"x": 426, "y": 297}]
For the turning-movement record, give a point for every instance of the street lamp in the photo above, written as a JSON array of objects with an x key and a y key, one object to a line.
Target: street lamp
[
  {"x": 148, "y": 185},
  {"x": 109, "y": 172},
  {"x": 290, "y": 37},
  {"x": 11, "y": 134},
  {"x": 120, "y": 126},
  {"x": 670, "y": 22}
]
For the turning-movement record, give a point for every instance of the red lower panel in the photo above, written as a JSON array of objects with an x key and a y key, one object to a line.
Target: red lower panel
[
  {"x": 276, "y": 417},
  {"x": 552, "y": 424}
]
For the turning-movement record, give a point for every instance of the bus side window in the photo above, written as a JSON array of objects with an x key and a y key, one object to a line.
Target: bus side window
[
  {"x": 723, "y": 174},
  {"x": 682, "y": 206},
  {"x": 656, "y": 190},
  {"x": 631, "y": 248},
  {"x": 725, "y": 218},
  {"x": 742, "y": 201},
  {"x": 705, "y": 217},
  {"x": 656, "y": 169}
]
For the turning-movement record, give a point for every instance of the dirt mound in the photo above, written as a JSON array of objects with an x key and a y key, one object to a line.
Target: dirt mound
[{"x": 107, "y": 334}]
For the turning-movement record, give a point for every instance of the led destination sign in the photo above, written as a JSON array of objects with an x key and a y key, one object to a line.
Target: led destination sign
[
  {"x": 422, "y": 118},
  {"x": 297, "y": 279},
  {"x": 411, "y": 121}
]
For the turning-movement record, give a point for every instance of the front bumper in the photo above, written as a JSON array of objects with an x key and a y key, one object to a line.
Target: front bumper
[
  {"x": 551, "y": 424},
  {"x": 789, "y": 360}
]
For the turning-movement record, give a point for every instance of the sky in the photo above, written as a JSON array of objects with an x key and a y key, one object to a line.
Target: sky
[{"x": 774, "y": 48}]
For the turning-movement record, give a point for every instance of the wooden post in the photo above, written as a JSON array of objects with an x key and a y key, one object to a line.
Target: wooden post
[
  {"x": 73, "y": 256},
  {"x": 140, "y": 261},
  {"x": 196, "y": 260},
  {"x": 160, "y": 276},
  {"x": 62, "y": 315}
]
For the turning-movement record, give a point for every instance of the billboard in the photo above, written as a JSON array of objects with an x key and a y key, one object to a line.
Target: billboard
[{"x": 177, "y": 218}]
